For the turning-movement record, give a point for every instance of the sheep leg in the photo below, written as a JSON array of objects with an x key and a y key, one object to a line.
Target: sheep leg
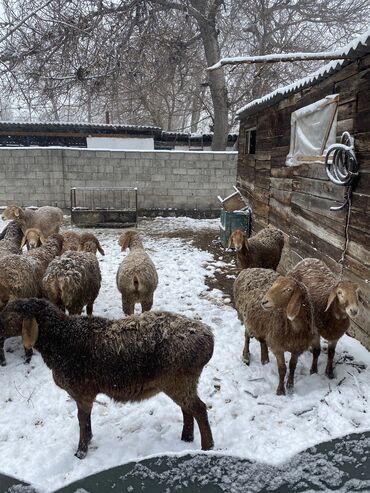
[
  {"x": 264, "y": 352},
  {"x": 331, "y": 352},
  {"x": 187, "y": 398},
  {"x": 2, "y": 354},
  {"x": 246, "y": 354},
  {"x": 28, "y": 354},
  {"x": 188, "y": 429},
  {"x": 84, "y": 419},
  {"x": 128, "y": 307},
  {"x": 282, "y": 371},
  {"x": 146, "y": 305},
  {"x": 89, "y": 309},
  {"x": 292, "y": 367},
  {"x": 315, "y": 355}
]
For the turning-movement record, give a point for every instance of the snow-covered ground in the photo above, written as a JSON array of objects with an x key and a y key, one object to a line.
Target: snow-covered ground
[{"x": 38, "y": 423}]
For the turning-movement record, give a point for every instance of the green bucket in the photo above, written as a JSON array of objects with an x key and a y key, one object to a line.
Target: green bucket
[{"x": 230, "y": 221}]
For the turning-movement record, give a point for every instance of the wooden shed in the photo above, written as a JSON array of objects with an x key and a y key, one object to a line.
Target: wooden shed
[{"x": 283, "y": 175}]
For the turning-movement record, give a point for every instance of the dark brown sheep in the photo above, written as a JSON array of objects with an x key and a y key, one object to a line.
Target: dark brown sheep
[
  {"x": 261, "y": 250},
  {"x": 11, "y": 239},
  {"x": 130, "y": 359}
]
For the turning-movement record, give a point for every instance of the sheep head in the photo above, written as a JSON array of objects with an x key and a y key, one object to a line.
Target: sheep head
[
  {"x": 284, "y": 293},
  {"x": 90, "y": 243},
  {"x": 347, "y": 297},
  {"x": 127, "y": 239},
  {"x": 12, "y": 212},
  {"x": 237, "y": 240},
  {"x": 33, "y": 237}
]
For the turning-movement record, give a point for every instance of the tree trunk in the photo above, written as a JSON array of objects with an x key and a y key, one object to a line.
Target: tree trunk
[{"x": 216, "y": 78}]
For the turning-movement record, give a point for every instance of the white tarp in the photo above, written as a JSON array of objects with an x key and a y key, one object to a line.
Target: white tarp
[{"x": 313, "y": 130}]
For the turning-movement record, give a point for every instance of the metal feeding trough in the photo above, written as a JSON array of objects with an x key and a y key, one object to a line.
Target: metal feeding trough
[
  {"x": 235, "y": 214},
  {"x": 104, "y": 207}
]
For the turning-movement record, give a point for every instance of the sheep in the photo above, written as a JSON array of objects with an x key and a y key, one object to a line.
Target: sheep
[
  {"x": 73, "y": 281},
  {"x": 334, "y": 302},
  {"x": 33, "y": 238},
  {"x": 261, "y": 250},
  {"x": 130, "y": 359},
  {"x": 21, "y": 276},
  {"x": 136, "y": 277},
  {"x": 46, "y": 219},
  {"x": 276, "y": 310},
  {"x": 90, "y": 243},
  {"x": 11, "y": 241},
  {"x": 71, "y": 241}
]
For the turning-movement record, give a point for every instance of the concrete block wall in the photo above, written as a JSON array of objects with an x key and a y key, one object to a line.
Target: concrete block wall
[{"x": 165, "y": 179}]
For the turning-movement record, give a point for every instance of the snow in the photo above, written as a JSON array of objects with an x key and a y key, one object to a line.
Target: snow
[
  {"x": 355, "y": 44},
  {"x": 38, "y": 423},
  {"x": 276, "y": 57}
]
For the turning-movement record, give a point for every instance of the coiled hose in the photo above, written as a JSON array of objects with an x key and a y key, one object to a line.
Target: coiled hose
[{"x": 342, "y": 166}]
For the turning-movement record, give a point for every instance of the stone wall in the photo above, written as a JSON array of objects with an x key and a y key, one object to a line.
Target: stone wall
[{"x": 165, "y": 179}]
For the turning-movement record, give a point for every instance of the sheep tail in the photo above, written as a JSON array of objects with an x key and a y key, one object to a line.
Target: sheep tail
[{"x": 136, "y": 284}]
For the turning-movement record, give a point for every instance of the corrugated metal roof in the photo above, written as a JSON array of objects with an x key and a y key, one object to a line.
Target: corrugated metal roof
[
  {"x": 357, "y": 48},
  {"x": 84, "y": 127}
]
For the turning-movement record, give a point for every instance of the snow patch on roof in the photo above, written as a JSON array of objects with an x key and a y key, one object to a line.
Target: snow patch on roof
[{"x": 325, "y": 70}]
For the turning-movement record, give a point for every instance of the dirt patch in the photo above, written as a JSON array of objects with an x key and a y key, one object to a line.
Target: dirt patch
[{"x": 208, "y": 240}]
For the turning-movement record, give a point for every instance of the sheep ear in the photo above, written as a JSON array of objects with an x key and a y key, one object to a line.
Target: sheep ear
[
  {"x": 230, "y": 243},
  {"x": 332, "y": 296},
  {"x": 30, "y": 332},
  {"x": 16, "y": 213},
  {"x": 42, "y": 238},
  {"x": 246, "y": 242},
  {"x": 294, "y": 305},
  {"x": 362, "y": 298},
  {"x": 24, "y": 239},
  {"x": 100, "y": 248}
]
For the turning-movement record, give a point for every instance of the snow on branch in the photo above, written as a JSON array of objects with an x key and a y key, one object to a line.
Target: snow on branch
[{"x": 283, "y": 57}]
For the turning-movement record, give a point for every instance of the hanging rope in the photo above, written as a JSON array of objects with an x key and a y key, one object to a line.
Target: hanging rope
[{"x": 342, "y": 167}]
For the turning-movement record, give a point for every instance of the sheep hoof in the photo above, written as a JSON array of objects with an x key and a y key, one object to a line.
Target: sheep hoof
[
  {"x": 280, "y": 391},
  {"x": 208, "y": 446},
  {"x": 330, "y": 374},
  {"x": 3, "y": 363},
  {"x": 265, "y": 361},
  {"x": 80, "y": 454},
  {"x": 246, "y": 360},
  {"x": 313, "y": 371},
  {"x": 187, "y": 438}
]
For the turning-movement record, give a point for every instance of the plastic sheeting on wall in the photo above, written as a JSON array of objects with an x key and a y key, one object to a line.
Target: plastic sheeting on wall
[{"x": 313, "y": 130}]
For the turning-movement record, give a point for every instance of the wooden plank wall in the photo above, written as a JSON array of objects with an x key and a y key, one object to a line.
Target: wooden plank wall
[{"x": 298, "y": 199}]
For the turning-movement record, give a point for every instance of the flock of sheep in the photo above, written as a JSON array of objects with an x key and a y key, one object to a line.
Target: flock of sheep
[{"x": 138, "y": 356}]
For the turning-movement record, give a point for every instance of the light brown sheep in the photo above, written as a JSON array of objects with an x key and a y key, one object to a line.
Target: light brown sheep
[
  {"x": 33, "y": 238},
  {"x": 276, "y": 310},
  {"x": 136, "y": 277},
  {"x": 71, "y": 241},
  {"x": 73, "y": 281},
  {"x": 261, "y": 250},
  {"x": 21, "y": 277},
  {"x": 46, "y": 219},
  {"x": 334, "y": 302},
  {"x": 90, "y": 243},
  {"x": 130, "y": 359}
]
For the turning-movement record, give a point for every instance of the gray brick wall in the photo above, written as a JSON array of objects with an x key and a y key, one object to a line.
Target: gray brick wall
[{"x": 165, "y": 179}]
